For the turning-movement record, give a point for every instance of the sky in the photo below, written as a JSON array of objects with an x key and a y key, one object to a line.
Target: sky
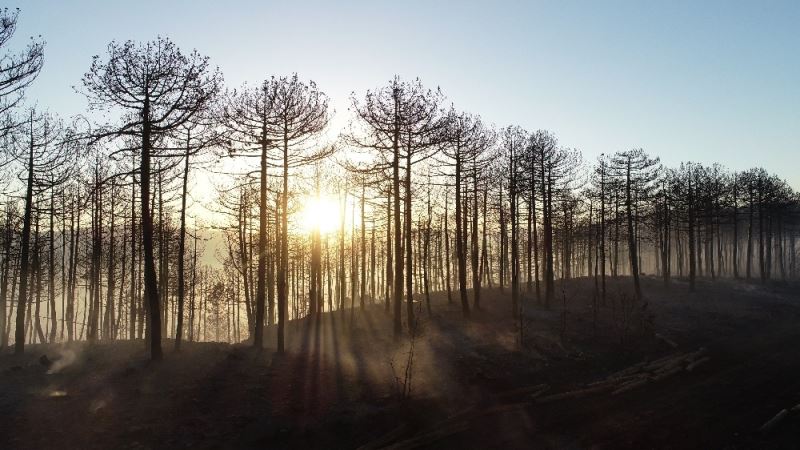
[{"x": 708, "y": 81}]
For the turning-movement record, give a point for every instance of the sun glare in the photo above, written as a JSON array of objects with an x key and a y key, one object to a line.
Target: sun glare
[{"x": 320, "y": 213}]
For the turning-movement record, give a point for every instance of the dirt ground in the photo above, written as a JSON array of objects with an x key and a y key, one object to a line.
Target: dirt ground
[{"x": 701, "y": 370}]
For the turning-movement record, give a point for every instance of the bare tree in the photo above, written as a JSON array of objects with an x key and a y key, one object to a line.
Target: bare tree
[
  {"x": 43, "y": 158},
  {"x": 512, "y": 142},
  {"x": 17, "y": 70},
  {"x": 157, "y": 88},
  {"x": 638, "y": 172},
  {"x": 249, "y": 116},
  {"x": 196, "y": 135},
  {"x": 378, "y": 126},
  {"x": 301, "y": 113},
  {"x": 467, "y": 143}
]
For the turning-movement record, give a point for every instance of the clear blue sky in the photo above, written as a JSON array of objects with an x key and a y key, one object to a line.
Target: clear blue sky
[{"x": 686, "y": 80}]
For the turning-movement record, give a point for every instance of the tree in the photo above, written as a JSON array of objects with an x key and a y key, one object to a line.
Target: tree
[
  {"x": 512, "y": 141},
  {"x": 401, "y": 115},
  {"x": 422, "y": 132},
  {"x": 301, "y": 113},
  {"x": 157, "y": 89},
  {"x": 42, "y": 155},
  {"x": 17, "y": 70},
  {"x": 249, "y": 116},
  {"x": 601, "y": 184},
  {"x": 195, "y": 135},
  {"x": 556, "y": 169},
  {"x": 684, "y": 188},
  {"x": 638, "y": 172},
  {"x": 467, "y": 141}
]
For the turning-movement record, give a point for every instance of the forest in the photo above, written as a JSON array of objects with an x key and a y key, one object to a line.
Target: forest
[{"x": 189, "y": 256}]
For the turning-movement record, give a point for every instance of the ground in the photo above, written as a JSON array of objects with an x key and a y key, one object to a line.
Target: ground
[{"x": 679, "y": 370}]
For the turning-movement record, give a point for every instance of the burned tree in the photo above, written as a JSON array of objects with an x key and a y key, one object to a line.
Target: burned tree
[
  {"x": 195, "y": 136},
  {"x": 42, "y": 155},
  {"x": 467, "y": 141},
  {"x": 248, "y": 115},
  {"x": 17, "y": 70},
  {"x": 512, "y": 141},
  {"x": 156, "y": 88},
  {"x": 301, "y": 114},
  {"x": 637, "y": 171},
  {"x": 401, "y": 123}
]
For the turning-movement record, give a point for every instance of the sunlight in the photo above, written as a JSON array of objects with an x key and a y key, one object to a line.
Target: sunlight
[{"x": 319, "y": 213}]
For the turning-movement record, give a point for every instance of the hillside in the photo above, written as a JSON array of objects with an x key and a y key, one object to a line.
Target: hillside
[{"x": 472, "y": 385}]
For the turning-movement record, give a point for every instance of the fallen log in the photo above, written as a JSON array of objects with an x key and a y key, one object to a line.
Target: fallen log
[
  {"x": 536, "y": 394},
  {"x": 664, "y": 362},
  {"x": 669, "y": 360},
  {"x": 468, "y": 412},
  {"x": 696, "y": 363},
  {"x": 574, "y": 394},
  {"x": 385, "y": 439},
  {"x": 632, "y": 377},
  {"x": 774, "y": 421},
  {"x": 697, "y": 354},
  {"x": 676, "y": 363},
  {"x": 666, "y": 340},
  {"x": 660, "y": 361},
  {"x": 523, "y": 390},
  {"x": 430, "y": 437},
  {"x": 504, "y": 408},
  {"x": 668, "y": 373},
  {"x": 628, "y": 371},
  {"x": 616, "y": 381},
  {"x": 629, "y": 386}
]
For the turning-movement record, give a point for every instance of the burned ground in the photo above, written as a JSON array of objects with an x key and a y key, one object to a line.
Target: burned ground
[{"x": 685, "y": 370}]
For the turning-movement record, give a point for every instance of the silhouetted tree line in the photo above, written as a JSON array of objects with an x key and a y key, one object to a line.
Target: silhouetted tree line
[{"x": 98, "y": 241}]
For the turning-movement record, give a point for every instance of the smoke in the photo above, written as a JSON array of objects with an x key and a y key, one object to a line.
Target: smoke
[
  {"x": 66, "y": 357},
  {"x": 99, "y": 403}
]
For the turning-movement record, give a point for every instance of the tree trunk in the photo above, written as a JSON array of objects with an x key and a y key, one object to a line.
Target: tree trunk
[
  {"x": 19, "y": 332},
  {"x": 408, "y": 248},
  {"x": 150, "y": 280},
  {"x": 258, "y": 332},
  {"x": 460, "y": 238},
  {"x": 182, "y": 247},
  {"x": 634, "y": 260}
]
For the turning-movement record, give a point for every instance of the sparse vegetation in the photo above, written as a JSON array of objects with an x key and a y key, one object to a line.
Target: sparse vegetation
[{"x": 192, "y": 263}]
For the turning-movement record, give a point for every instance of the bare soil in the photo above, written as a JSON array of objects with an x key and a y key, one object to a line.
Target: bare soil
[{"x": 474, "y": 382}]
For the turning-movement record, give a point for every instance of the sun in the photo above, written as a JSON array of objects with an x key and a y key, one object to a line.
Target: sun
[{"x": 319, "y": 213}]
